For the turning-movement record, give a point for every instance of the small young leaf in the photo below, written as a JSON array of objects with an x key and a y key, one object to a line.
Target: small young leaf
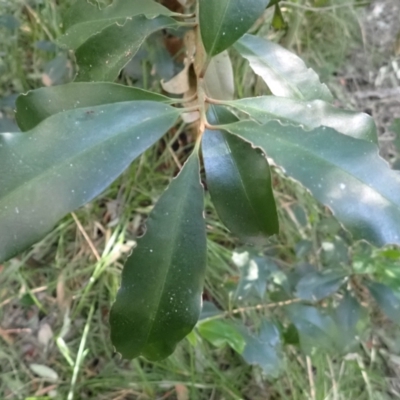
[
  {"x": 39, "y": 104},
  {"x": 386, "y": 300},
  {"x": 278, "y": 22},
  {"x": 308, "y": 114},
  {"x": 223, "y": 22},
  {"x": 83, "y": 19},
  {"x": 222, "y": 333},
  {"x": 317, "y": 285},
  {"x": 255, "y": 271},
  {"x": 66, "y": 161},
  {"x": 219, "y": 80},
  {"x": 344, "y": 173},
  {"x": 103, "y": 55},
  {"x": 159, "y": 301},
  {"x": 239, "y": 181},
  {"x": 264, "y": 349},
  {"x": 285, "y": 74}
]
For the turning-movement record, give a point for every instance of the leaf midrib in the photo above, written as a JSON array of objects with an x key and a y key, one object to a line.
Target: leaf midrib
[
  {"x": 68, "y": 160},
  {"x": 329, "y": 163},
  {"x": 217, "y": 36},
  {"x": 254, "y": 212},
  {"x": 177, "y": 223}
]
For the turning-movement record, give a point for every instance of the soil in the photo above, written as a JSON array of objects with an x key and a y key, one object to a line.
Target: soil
[{"x": 372, "y": 74}]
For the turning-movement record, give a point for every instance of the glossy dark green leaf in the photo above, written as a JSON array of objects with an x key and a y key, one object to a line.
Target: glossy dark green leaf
[
  {"x": 222, "y": 333},
  {"x": 386, "y": 299},
  {"x": 264, "y": 349},
  {"x": 285, "y": 74},
  {"x": 239, "y": 181},
  {"x": 344, "y": 173},
  {"x": 223, "y": 22},
  {"x": 317, "y": 331},
  {"x": 316, "y": 286},
  {"x": 66, "y": 161},
  {"x": 103, "y": 55},
  {"x": 39, "y": 104},
  {"x": 159, "y": 301},
  {"x": 309, "y": 114},
  {"x": 83, "y": 19}
]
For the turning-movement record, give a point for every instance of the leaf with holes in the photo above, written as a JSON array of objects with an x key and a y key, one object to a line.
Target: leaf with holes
[
  {"x": 159, "y": 301},
  {"x": 66, "y": 161},
  {"x": 255, "y": 270}
]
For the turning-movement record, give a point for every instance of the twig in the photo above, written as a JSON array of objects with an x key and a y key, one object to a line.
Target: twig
[
  {"x": 361, "y": 365},
  {"x": 86, "y": 236},
  {"x": 175, "y": 158},
  {"x": 81, "y": 355},
  {"x": 263, "y": 306},
  {"x": 334, "y": 383},
  {"x": 253, "y": 308},
  {"x": 311, "y": 378},
  {"x": 36, "y": 290}
]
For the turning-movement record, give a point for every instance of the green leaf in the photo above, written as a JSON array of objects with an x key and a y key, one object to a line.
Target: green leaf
[
  {"x": 66, "y": 161},
  {"x": 83, "y": 19},
  {"x": 223, "y": 22},
  {"x": 308, "y": 114},
  {"x": 348, "y": 316},
  {"x": 103, "y": 55},
  {"x": 334, "y": 253},
  {"x": 159, "y": 301},
  {"x": 344, "y": 173},
  {"x": 278, "y": 21},
  {"x": 222, "y": 333},
  {"x": 254, "y": 271},
  {"x": 386, "y": 299},
  {"x": 39, "y": 104},
  {"x": 316, "y": 330},
  {"x": 239, "y": 181},
  {"x": 285, "y": 74},
  {"x": 316, "y": 286},
  {"x": 264, "y": 349}
]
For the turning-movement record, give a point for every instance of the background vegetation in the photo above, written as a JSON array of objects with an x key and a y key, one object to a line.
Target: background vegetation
[{"x": 55, "y": 299}]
